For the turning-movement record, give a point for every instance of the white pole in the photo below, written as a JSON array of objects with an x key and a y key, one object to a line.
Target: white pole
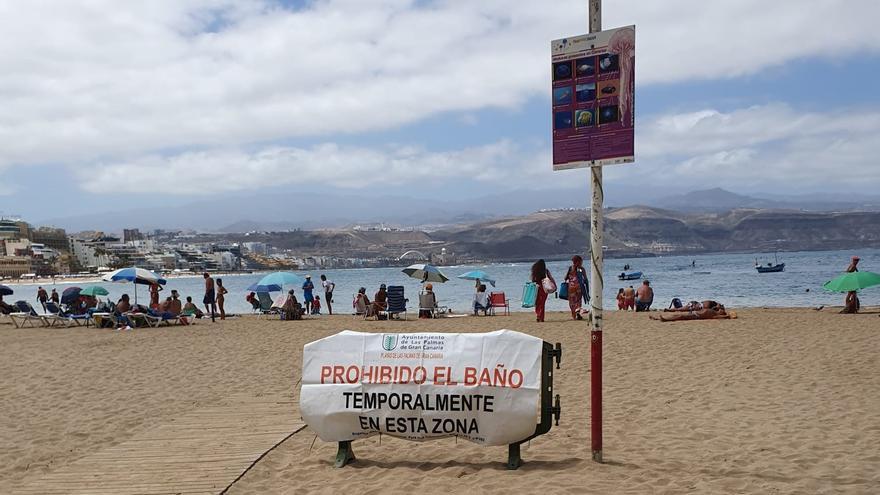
[{"x": 596, "y": 262}]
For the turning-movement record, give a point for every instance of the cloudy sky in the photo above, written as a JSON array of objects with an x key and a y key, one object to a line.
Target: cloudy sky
[{"x": 108, "y": 104}]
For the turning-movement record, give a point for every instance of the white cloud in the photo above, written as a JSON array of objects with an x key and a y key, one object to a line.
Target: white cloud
[
  {"x": 349, "y": 167},
  {"x": 752, "y": 148},
  {"x": 105, "y": 79},
  {"x": 761, "y": 147}
]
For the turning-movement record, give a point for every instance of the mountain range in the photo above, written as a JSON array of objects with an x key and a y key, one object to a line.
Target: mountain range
[{"x": 303, "y": 210}]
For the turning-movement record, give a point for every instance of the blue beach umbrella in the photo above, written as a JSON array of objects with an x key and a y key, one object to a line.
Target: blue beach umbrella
[
  {"x": 281, "y": 279},
  {"x": 136, "y": 276},
  {"x": 478, "y": 275},
  {"x": 257, "y": 287}
]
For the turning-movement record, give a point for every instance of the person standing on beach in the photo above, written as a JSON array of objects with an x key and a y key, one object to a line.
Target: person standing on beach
[
  {"x": 575, "y": 298},
  {"x": 328, "y": 293},
  {"x": 577, "y": 265},
  {"x": 629, "y": 298},
  {"x": 644, "y": 297},
  {"x": 154, "y": 295},
  {"x": 54, "y": 297},
  {"x": 42, "y": 296},
  {"x": 308, "y": 296},
  {"x": 221, "y": 293},
  {"x": 539, "y": 273},
  {"x": 209, "y": 299}
]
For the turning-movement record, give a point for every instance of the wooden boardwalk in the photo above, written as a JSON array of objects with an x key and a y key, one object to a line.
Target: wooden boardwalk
[{"x": 201, "y": 452}]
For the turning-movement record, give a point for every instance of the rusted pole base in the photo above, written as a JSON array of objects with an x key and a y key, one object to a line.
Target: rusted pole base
[{"x": 344, "y": 455}]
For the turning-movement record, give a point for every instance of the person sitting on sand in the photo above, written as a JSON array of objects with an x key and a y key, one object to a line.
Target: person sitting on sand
[
  {"x": 292, "y": 310},
  {"x": 361, "y": 303},
  {"x": 644, "y": 297},
  {"x": 716, "y": 313},
  {"x": 380, "y": 300},
  {"x": 192, "y": 309},
  {"x": 851, "y": 304},
  {"x": 481, "y": 301},
  {"x": 629, "y": 298},
  {"x": 252, "y": 298}
]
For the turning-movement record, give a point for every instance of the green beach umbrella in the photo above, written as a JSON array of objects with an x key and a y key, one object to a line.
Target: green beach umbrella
[
  {"x": 94, "y": 290},
  {"x": 853, "y": 281}
]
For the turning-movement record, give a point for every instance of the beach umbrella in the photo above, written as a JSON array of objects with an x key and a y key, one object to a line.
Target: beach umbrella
[
  {"x": 5, "y": 291},
  {"x": 136, "y": 276},
  {"x": 257, "y": 287},
  {"x": 852, "y": 281},
  {"x": 94, "y": 290},
  {"x": 425, "y": 273},
  {"x": 70, "y": 295},
  {"x": 281, "y": 279},
  {"x": 478, "y": 275}
]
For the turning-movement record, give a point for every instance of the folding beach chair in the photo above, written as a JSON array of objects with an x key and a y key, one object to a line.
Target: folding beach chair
[
  {"x": 396, "y": 302},
  {"x": 499, "y": 300},
  {"x": 26, "y": 316},
  {"x": 428, "y": 304},
  {"x": 268, "y": 306}
]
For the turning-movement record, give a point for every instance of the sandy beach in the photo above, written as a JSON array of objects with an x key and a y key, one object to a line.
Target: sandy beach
[{"x": 777, "y": 401}]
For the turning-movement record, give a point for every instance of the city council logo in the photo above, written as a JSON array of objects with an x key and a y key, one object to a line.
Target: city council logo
[{"x": 389, "y": 342}]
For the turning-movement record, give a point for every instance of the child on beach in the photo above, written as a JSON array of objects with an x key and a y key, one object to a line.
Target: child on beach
[{"x": 316, "y": 305}]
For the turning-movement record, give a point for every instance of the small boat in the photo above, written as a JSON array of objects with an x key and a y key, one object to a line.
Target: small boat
[
  {"x": 629, "y": 276},
  {"x": 770, "y": 267}
]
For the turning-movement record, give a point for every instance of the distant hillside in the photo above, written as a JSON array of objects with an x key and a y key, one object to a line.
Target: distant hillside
[{"x": 630, "y": 231}]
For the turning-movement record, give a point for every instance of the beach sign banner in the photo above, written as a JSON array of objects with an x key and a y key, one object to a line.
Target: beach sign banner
[
  {"x": 483, "y": 387},
  {"x": 593, "y": 97}
]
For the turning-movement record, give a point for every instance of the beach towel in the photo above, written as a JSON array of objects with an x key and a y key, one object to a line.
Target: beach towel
[{"x": 530, "y": 295}]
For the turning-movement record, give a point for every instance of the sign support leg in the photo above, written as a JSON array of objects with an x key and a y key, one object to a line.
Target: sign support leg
[
  {"x": 597, "y": 259},
  {"x": 514, "y": 461},
  {"x": 344, "y": 455}
]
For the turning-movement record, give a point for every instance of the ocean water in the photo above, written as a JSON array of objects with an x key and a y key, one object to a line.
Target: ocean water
[{"x": 728, "y": 278}]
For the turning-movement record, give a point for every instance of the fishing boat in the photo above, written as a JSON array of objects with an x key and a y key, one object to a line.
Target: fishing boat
[
  {"x": 629, "y": 276},
  {"x": 774, "y": 267}
]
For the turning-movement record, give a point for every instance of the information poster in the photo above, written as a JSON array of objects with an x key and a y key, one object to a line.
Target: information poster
[
  {"x": 481, "y": 387},
  {"x": 593, "y": 78}
]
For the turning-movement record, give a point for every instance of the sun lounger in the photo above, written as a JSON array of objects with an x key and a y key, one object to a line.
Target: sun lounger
[
  {"x": 27, "y": 317},
  {"x": 105, "y": 320}
]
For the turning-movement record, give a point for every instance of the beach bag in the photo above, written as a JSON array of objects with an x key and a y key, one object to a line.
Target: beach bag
[
  {"x": 563, "y": 291},
  {"x": 530, "y": 295},
  {"x": 676, "y": 303},
  {"x": 548, "y": 285}
]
